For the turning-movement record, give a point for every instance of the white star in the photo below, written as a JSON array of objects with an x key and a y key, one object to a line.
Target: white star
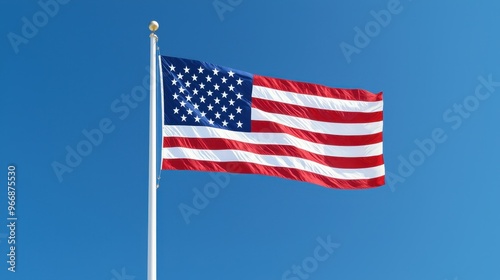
[
  {"x": 188, "y": 98},
  {"x": 175, "y": 96},
  {"x": 209, "y": 79},
  {"x": 224, "y": 95},
  {"x": 217, "y": 115},
  {"x": 183, "y": 118},
  {"x": 224, "y": 123},
  {"x": 202, "y": 86},
  {"x": 176, "y": 110},
  {"x": 216, "y": 86},
  {"x": 174, "y": 82},
  {"x": 194, "y": 77},
  {"x": 239, "y": 81},
  {"x": 211, "y": 121},
  {"x": 224, "y": 80},
  {"x": 231, "y": 102},
  {"x": 216, "y": 72},
  {"x": 238, "y": 110},
  {"x": 203, "y": 114},
  {"x": 186, "y": 69},
  {"x": 209, "y": 93},
  {"x": 195, "y": 91},
  {"x": 182, "y": 90},
  {"x": 188, "y": 84},
  {"x": 200, "y": 70},
  {"x": 217, "y": 100},
  {"x": 231, "y": 117},
  {"x": 183, "y": 104},
  {"x": 231, "y": 88},
  {"x": 210, "y": 107},
  {"x": 196, "y": 106},
  {"x": 239, "y": 95},
  {"x": 202, "y": 99},
  {"x": 197, "y": 119},
  {"x": 190, "y": 112},
  {"x": 240, "y": 124},
  {"x": 231, "y": 73},
  {"x": 179, "y": 76},
  {"x": 172, "y": 68},
  {"x": 224, "y": 108}
]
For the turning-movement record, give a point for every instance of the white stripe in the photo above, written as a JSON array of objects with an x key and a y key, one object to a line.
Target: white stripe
[
  {"x": 318, "y": 126},
  {"x": 272, "y": 160},
  {"x": 318, "y": 102},
  {"x": 272, "y": 139}
]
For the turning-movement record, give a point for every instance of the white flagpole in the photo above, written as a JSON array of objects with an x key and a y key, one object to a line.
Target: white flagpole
[{"x": 153, "y": 26}]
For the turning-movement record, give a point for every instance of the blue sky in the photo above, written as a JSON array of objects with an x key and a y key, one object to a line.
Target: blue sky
[{"x": 67, "y": 66}]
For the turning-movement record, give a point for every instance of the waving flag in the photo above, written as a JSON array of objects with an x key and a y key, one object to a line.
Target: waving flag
[{"x": 217, "y": 118}]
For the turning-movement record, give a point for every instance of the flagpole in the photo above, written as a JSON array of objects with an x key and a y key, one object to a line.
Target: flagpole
[{"x": 153, "y": 26}]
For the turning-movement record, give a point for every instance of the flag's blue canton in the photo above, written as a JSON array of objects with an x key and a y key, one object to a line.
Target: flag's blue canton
[{"x": 202, "y": 94}]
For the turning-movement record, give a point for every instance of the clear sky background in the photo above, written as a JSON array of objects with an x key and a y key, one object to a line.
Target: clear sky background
[{"x": 437, "y": 62}]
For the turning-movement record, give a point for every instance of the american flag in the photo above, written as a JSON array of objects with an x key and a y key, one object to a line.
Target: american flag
[{"x": 221, "y": 119}]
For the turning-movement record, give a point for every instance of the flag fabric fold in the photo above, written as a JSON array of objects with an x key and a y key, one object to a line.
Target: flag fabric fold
[{"x": 216, "y": 118}]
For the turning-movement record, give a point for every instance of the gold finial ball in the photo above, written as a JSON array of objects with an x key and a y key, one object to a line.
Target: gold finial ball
[{"x": 153, "y": 26}]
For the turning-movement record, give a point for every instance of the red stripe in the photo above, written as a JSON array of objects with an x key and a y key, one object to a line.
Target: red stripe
[
  {"x": 317, "y": 90},
  {"x": 287, "y": 173},
  {"x": 315, "y": 137},
  {"x": 277, "y": 150},
  {"x": 314, "y": 113}
]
